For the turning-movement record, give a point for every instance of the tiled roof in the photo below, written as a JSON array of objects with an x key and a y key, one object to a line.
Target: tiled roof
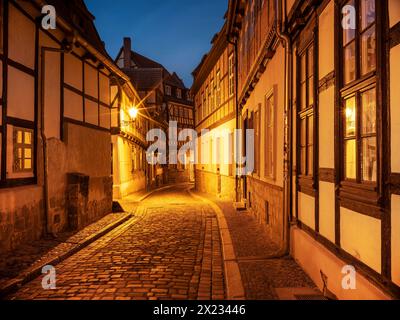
[
  {"x": 144, "y": 62},
  {"x": 71, "y": 10},
  {"x": 145, "y": 79}
]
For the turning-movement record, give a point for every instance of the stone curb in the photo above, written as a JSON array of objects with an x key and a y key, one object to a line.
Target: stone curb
[
  {"x": 30, "y": 275},
  {"x": 234, "y": 284}
]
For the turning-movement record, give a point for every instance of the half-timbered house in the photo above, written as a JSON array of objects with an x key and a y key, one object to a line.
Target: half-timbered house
[{"x": 55, "y": 136}]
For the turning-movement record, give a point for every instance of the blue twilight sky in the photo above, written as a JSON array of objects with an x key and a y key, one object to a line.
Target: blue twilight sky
[{"x": 175, "y": 33}]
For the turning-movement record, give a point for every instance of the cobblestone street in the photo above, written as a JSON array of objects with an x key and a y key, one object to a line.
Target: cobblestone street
[{"x": 170, "y": 250}]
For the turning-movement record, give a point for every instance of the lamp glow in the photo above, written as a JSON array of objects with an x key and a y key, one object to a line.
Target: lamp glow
[{"x": 133, "y": 112}]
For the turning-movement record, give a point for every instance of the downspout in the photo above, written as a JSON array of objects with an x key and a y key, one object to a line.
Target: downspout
[
  {"x": 237, "y": 110},
  {"x": 287, "y": 197}
]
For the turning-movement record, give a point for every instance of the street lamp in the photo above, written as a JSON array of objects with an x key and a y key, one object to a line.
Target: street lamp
[{"x": 133, "y": 113}]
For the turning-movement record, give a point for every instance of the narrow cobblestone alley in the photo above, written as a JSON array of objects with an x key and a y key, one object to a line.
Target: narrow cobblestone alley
[{"x": 170, "y": 250}]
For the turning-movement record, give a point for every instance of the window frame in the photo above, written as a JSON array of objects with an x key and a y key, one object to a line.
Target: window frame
[
  {"x": 363, "y": 197},
  {"x": 23, "y": 146},
  {"x": 270, "y": 126},
  {"x": 307, "y": 183}
]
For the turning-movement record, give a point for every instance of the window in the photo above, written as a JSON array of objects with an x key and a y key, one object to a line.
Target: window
[
  {"x": 168, "y": 90},
  {"x": 359, "y": 45},
  {"x": 23, "y": 150},
  {"x": 257, "y": 141},
  {"x": 306, "y": 112},
  {"x": 360, "y": 143},
  {"x": 359, "y": 106},
  {"x": 212, "y": 95},
  {"x": 231, "y": 76},
  {"x": 179, "y": 93},
  {"x": 270, "y": 137}
]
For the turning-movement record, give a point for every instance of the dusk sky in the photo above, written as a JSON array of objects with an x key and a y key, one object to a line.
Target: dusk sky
[{"x": 175, "y": 33}]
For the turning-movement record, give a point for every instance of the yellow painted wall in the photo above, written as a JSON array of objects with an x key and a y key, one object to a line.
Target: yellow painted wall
[
  {"x": 396, "y": 239},
  {"x": 314, "y": 258},
  {"x": 73, "y": 105},
  {"x": 266, "y": 86},
  {"x": 327, "y": 128},
  {"x": 394, "y": 12},
  {"x": 91, "y": 81},
  {"x": 52, "y": 90},
  {"x": 361, "y": 237},
  {"x": 73, "y": 71},
  {"x": 21, "y": 39},
  {"x": 21, "y": 95},
  {"x": 394, "y": 105},
  {"x": 327, "y": 210},
  {"x": 326, "y": 41},
  {"x": 91, "y": 112}
]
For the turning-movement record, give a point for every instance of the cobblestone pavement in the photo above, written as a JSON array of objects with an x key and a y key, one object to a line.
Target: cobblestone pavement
[
  {"x": 31, "y": 255},
  {"x": 261, "y": 276},
  {"x": 171, "y": 250}
]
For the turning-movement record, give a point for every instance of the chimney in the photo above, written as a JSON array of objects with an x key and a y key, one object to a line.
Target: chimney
[{"x": 127, "y": 53}]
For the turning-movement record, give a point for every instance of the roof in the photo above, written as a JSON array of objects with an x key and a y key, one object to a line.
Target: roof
[
  {"x": 75, "y": 13},
  {"x": 145, "y": 79},
  {"x": 146, "y": 73},
  {"x": 174, "y": 80}
]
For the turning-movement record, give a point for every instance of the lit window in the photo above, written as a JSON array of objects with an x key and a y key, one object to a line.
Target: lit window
[
  {"x": 168, "y": 90},
  {"x": 359, "y": 45},
  {"x": 23, "y": 150},
  {"x": 179, "y": 93}
]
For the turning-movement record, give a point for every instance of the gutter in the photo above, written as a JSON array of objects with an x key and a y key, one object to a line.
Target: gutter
[
  {"x": 235, "y": 44},
  {"x": 288, "y": 152}
]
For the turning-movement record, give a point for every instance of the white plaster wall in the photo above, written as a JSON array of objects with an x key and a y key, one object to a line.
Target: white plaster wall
[
  {"x": 361, "y": 237},
  {"x": 327, "y": 210},
  {"x": 307, "y": 210},
  {"x": 396, "y": 239},
  {"x": 21, "y": 95}
]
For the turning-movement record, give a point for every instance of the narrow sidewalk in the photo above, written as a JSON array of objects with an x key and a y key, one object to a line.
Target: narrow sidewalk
[{"x": 263, "y": 278}]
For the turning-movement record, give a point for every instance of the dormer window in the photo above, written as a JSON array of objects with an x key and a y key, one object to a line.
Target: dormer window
[
  {"x": 179, "y": 93},
  {"x": 168, "y": 90}
]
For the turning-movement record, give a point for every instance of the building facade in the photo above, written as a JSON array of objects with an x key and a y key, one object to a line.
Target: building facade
[
  {"x": 165, "y": 97},
  {"x": 317, "y": 83},
  {"x": 214, "y": 91},
  {"x": 54, "y": 91},
  {"x": 130, "y": 122}
]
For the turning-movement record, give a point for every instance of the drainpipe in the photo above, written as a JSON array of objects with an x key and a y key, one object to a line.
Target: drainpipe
[
  {"x": 280, "y": 10},
  {"x": 235, "y": 44}
]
